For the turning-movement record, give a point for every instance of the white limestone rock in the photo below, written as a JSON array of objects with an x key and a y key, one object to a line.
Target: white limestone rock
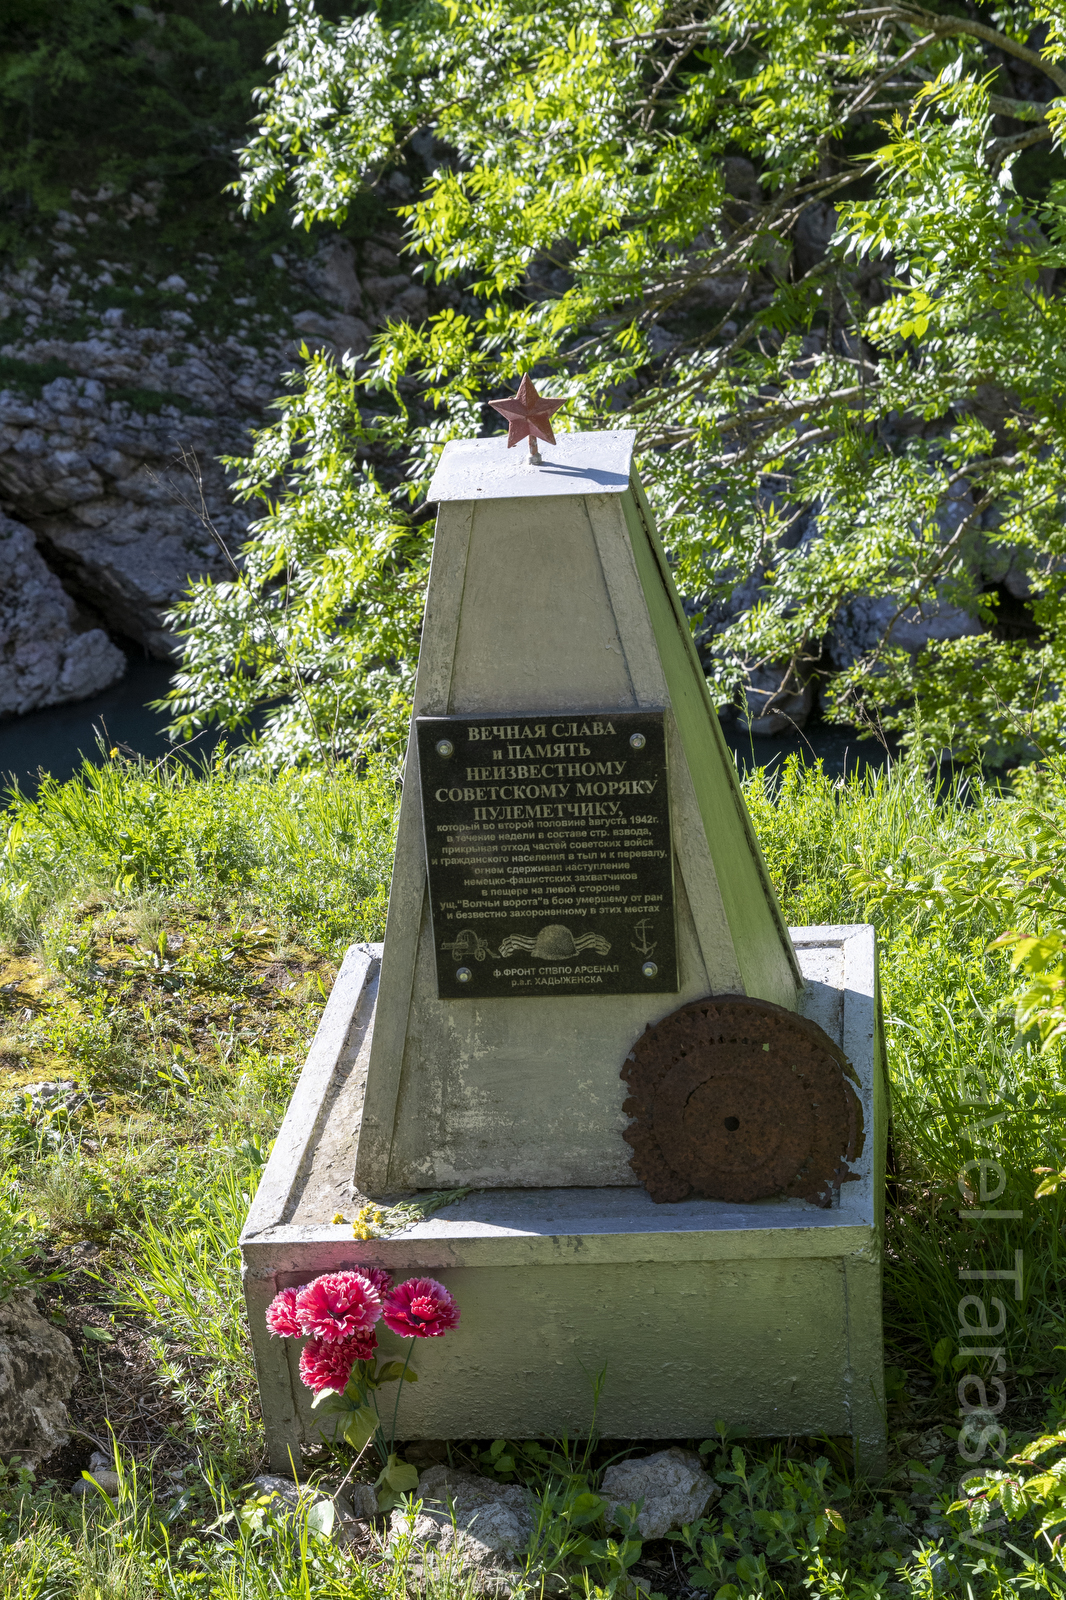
[
  {"x": 469, "y": 1525},
  {"x": 105, "y": 490},
  {"x": 341, "y": 335},
  {"x": 93, "y": 463},
  {"x": 862, "y": 624},
  {"x": 44, "y": 660},
  {"x": 38, "y": 1370},
  {"x": 352, "y": 1506},
  {"x": 332, "y": 275},
  {"x": 672, "y": 1484},
  {"x": 363, "y": 1500}
]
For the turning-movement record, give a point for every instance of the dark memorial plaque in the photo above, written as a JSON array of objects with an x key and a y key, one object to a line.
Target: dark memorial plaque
[{"x": 548, "y": 849}]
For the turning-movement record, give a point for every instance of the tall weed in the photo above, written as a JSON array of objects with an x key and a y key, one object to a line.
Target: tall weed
[
  {"x": 184, "y": 1277},
  {"x": 867, "y": 849},
  {"x": 315, "y": 846}
]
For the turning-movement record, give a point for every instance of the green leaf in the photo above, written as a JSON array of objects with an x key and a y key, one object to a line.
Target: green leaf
[
  {"x": 389, "y": 1371},
  {"x": 631, "y": 1551},
  {"x": 585, "y": 1508},
  {"x": 933, "y": 289},
  {"x": 330, "y": 1400},
  {"x": 400, "y": 1476},
  {"x": 321, "y": 1518},
  {"x": 362, "y": 1428},
  {"x": 88, "y": 1478},
  {"x": 101, "y": 1335}
]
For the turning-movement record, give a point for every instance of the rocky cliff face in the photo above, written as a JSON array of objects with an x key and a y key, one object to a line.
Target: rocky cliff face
[
  {"x": 45, "y": 658},
  {"x": 120, "y": 388},
  {"x": 118, "y": 392}
]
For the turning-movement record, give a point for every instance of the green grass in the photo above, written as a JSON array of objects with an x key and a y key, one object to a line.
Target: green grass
[
  {"x": 313, "y": 850},
  {"x": 949, "y": 1024},
  {"x": 168, "y": 939},
  {"x": 30, "y": 377},
  {"x": 168, "y": 943}
]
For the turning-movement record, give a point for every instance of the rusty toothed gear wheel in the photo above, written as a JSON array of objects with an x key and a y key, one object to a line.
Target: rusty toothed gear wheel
[{"x": 738, "y": 1099}]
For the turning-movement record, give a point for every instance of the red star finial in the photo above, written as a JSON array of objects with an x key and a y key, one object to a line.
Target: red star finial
[{"x": 528, "y": 416}]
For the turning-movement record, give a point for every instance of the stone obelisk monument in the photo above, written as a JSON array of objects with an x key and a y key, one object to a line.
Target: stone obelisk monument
[{"x": 588, "y": 1011}]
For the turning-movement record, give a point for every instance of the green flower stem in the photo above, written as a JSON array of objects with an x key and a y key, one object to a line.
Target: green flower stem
[{"x": 399, "y": 1392}]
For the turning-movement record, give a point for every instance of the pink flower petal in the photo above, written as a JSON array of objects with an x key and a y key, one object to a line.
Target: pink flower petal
[
  {"x": 327, "y": 1363},
  {"x": 381, "y": 1279},
  {"x": 338, "y": 1305},
  {"x": 281, "y": 1315},
  {"x": 421, "y": 1308}
]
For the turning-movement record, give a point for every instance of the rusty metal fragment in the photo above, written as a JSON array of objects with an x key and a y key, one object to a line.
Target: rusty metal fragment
[{"x": 739, "y": 1099}]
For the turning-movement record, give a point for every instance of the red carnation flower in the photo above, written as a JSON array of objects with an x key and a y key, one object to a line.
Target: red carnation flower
[
  {"x": 421, "y": 1307},
  {"x": 327, "y": 1363},
  {"x": 364, "y": 1345},
  {"x": 281, "y": 1315},
  {"x": 337, "y": 1306},
  {"x": 381, "y": 1279}
]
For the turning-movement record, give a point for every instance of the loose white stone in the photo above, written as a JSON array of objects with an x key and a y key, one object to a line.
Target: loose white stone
[
  {"x": 470, "y": 1525},
  {"x": 672, "y": 1484}
]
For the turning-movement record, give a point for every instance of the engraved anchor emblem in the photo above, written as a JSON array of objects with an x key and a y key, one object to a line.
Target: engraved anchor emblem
[{"x": 642, "y": 940}]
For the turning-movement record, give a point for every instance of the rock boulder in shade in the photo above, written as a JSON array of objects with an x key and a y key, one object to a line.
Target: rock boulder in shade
[
  {"x": 44, "y": 659},
  {"x": 38, "y": 1370}
]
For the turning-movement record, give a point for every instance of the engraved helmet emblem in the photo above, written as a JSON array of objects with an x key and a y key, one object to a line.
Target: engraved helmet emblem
[{"x": 555, "y": 943}]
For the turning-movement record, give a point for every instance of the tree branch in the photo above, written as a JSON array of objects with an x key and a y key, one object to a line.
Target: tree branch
[
  {"x": 945, "y": 24},
  {"x": 1020, "y": 110},
  {"x": 779, "y": 414},
  {"x": 920, "y": 585},
  {"x": 1000, "y": 149},
  {"x": 882, "y": 78}
]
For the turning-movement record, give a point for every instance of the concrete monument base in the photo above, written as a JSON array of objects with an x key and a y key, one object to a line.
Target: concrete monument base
[{"x": 766, "y": 1315}]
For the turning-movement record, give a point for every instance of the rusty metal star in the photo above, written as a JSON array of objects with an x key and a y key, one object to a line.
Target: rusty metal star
[{"x": 528, "y": 416}]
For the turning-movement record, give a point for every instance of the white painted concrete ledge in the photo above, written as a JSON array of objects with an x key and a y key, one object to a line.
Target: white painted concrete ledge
[
  {"x": 577, "y": 464},
  {"x": 787, "y": 1294}
]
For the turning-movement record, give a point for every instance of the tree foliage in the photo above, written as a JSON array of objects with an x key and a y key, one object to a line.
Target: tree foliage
[
  {"x": 630, "y": 198},
  {"x": 320, "y": 620},
  {"x": 94, "y": 92}
]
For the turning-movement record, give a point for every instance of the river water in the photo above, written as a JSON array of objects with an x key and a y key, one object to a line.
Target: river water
[{"x": 57, "y": 739}]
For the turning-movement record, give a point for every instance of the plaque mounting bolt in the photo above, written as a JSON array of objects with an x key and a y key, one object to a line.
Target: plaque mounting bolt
[
  {"x": 637, "y": 740},
  {"x": 649, "y": 969},
  {"x": 464, "y": 974},
  {"x": 445, "y": 747}
]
